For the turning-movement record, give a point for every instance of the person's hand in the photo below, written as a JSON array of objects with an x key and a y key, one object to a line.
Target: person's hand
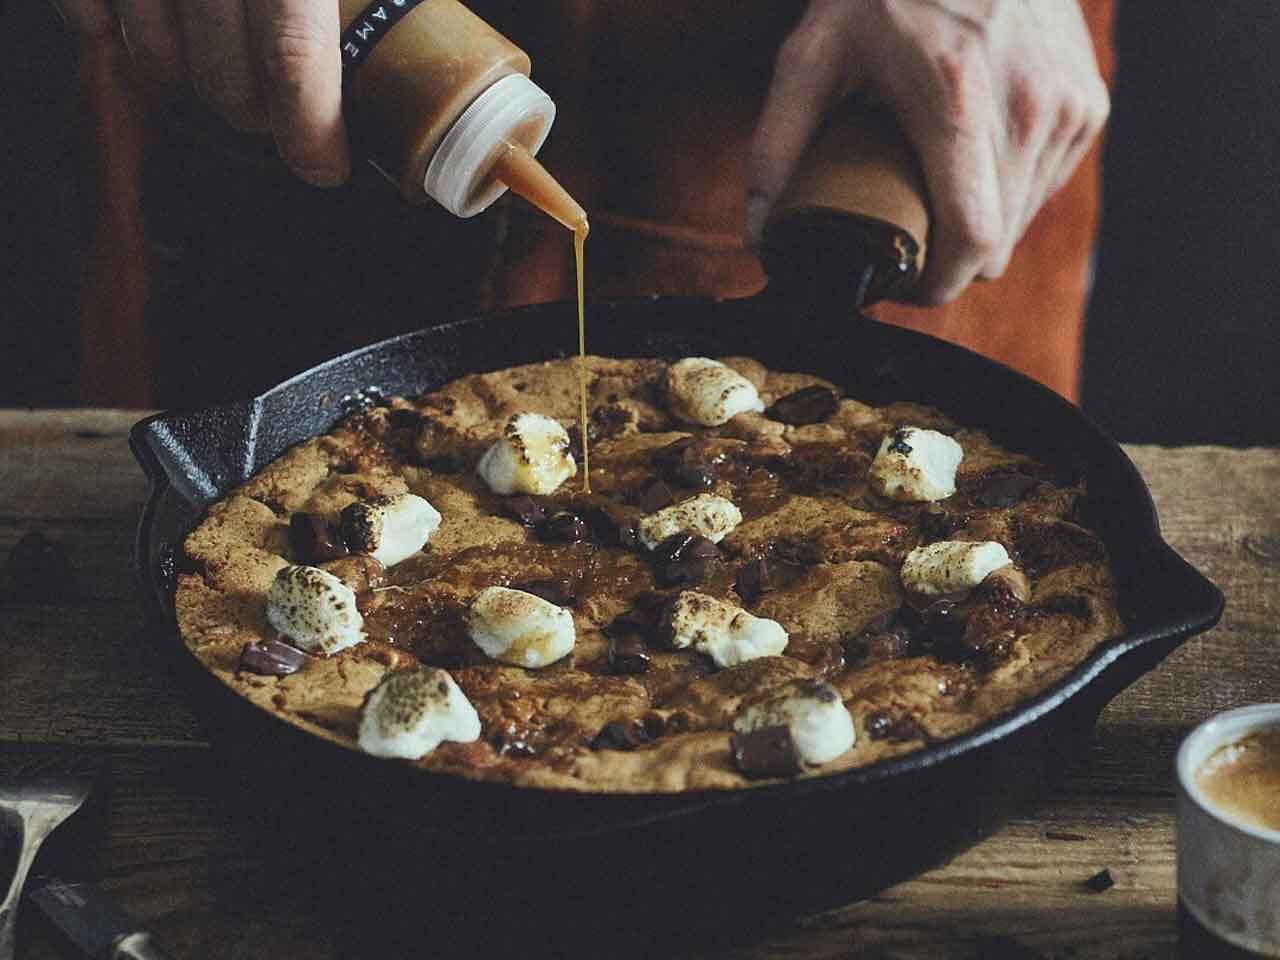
[
  {"x": 1000, "y": 98},
  {"x": 264, "y": 65}
]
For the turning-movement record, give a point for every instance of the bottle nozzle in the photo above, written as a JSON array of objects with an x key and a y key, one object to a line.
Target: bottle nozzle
[{"x": 523, "y": 174}]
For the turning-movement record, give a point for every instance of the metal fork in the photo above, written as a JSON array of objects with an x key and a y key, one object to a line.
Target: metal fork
[{"x": 33, "y": 802}]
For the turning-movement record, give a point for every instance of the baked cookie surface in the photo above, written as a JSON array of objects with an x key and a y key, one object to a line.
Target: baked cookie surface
[{"x": 835, "y": 543}]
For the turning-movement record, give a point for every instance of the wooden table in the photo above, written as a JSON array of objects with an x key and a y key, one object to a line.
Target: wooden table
[{"x": 75, "y": 673}]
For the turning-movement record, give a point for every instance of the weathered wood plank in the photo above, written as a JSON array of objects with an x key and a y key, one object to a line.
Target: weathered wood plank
[{"x": 78, "y": 672}]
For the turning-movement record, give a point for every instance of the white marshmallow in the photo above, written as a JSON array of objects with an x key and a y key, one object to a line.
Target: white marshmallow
[
  {"x": 707, "y": 392},
  {"x": 951, "y": 567},
  {"x": 707, "y": 514},
  {"x": 520, "y": 628},
  {"x": 389, "y": 529},
  {"x": 531, "y": 456},
  {"x": 820, "y": 724},
  {"x": 914, "y": 464},
  {"x": 410, "y": 712},
  {"x": 314, "y": 609},
  {"x": 727, "y": 634}
]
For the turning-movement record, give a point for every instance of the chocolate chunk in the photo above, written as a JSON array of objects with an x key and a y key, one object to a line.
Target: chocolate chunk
[
  {"x": 684, "y": 559},
  {"x": 810, "y": 405},
  {"x": 401, "y": 419},
  {"x": 360, "y": 572},
  {"x": 39, "y": 567},
  {"x": 685, "y": 546},
  {"x": 271, "y": 658},
  {"x": 608, "y": 421},
  {"x": 938, "y": 525},
  {"x": 1002, "y": 488},
  {"x": 612, "y": 524},
  {"x": 688, "y": 462},
  {"x": 621, "y": 735},
  {"x": 823, "y": 462},
  {"x": 767, "y": 752},
  {"x": 524, "y": 510},
  {"x": 628, "y": 655},
  {"x": 508, "y": 743},
  {"x": 755, "y": 578},
  {"x": 940, "y": 622},
  {"x": 356, "y": 525},
  {"x": 1100, "y": 881},
  {"x": 655, "y": 496},
  {"x": 560, "y": 590},
  {"x": 564, "y": 527},
  {"x": 883, "y": 725},
  {"x": 898, "y": 442},
  {"x": 654, "y": 725},
  {"x": 888, "y": 645}
]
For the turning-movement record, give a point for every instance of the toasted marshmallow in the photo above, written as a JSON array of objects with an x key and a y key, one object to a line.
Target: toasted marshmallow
[
  {"x": 707, "y": 514},
  {"x": 727, "y": 634},
  {"x": 951, "y": 567},
  {"x": 709, "y": 393},
  {"x": 520, "y": 628},
  {"x": 820, "y": 724},
  {"x": 531, "y": 456},
  {"x": 410, "y": 712},
  {"x": 314, "y": 609},
  {"x": 914, "y": 464},
  {"x": 389, "y": 529}
]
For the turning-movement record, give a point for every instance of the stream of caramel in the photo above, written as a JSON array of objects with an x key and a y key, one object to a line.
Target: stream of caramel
[
  {"x": 524, "y": 175},
  {"x": 579, "y": 243}
]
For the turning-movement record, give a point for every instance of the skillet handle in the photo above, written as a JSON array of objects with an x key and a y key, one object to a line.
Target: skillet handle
[{"x": 852, "y": 224}]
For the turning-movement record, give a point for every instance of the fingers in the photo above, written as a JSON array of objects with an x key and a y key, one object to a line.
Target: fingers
[
  {"x": 947, "y": 110},
  {"x": 296, "y": 47},
  {"x": 151, "y": 33},
  {"x": 810, "y": 73},
  {"x": 1030, "y": 137},
  {"x": 216, "y": 42}
]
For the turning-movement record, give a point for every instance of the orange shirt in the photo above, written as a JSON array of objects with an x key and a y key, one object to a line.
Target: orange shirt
[{"x": 656, "y": 111}]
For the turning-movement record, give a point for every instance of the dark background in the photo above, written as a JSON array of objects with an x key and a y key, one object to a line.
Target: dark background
[{"x": 1183, "y": 338}]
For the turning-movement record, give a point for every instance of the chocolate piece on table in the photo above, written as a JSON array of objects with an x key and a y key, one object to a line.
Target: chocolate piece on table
[
  {"x": 809, "y": 405},
  {"x": 271, "y": 658},
  {"x": 39, "y": 567},
  {"x": 1100, "y": 881},
  {"x": 767, "y": 752}
]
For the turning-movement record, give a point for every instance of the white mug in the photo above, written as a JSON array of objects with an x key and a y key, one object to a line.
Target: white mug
[{"x": 1228, "y": 871}]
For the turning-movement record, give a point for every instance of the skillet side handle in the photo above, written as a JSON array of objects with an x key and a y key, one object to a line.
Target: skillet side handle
[{"x": 851, "y": 227}]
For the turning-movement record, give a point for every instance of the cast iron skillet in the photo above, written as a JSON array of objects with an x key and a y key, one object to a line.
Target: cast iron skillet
[{"x": 788, "y": 848}]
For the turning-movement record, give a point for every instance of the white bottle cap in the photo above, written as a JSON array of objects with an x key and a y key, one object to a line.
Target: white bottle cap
[{"x": 461, "y": 163}]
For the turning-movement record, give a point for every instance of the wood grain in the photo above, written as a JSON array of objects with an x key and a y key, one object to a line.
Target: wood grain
[{"x": 79, "y": 673}]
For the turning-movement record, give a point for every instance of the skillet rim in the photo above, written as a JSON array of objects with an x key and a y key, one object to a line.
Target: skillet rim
[{"x": 1202, "y": 611}]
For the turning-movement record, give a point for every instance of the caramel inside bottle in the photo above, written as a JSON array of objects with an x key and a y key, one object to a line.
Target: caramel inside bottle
[{"x": 525, "y": 176}]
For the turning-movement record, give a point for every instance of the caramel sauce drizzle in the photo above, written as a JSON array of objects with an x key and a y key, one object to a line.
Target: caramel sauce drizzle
[
  {"x": 579, "y": 245},
  {"x": 516, "y": 167}
]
